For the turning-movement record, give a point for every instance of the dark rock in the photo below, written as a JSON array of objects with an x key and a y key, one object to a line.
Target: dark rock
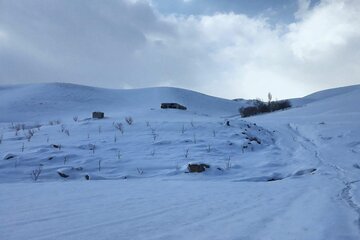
[
  {"x": 98, "y": 115},
  {"x": 201, "y": 167},
  {"x": 255, "y": 139},
  {"x": 274, "y": 179},
  {"x": 56, "y": 146},
  {"x": 63, "y": 174},
  {"x": 9, "y": 156}
]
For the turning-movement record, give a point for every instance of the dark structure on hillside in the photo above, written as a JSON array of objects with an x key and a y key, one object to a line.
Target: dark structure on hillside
[
  {"x": 201, "y": 167},
  {"x": 173, "y": 106},
  {"x": 98, "y": 115}
]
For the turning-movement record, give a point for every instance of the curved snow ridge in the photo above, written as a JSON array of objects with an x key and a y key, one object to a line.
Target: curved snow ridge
[
  {"x": 326, "y": 95},
  {"x": 321, "y": 95}
]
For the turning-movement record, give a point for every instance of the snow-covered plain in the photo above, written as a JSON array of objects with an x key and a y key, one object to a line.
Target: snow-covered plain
[{"x": 293, "y": 174}]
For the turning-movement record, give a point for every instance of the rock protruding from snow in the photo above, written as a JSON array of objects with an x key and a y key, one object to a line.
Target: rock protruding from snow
[
  {"x": 197, "y": 167},
  {"x": 9, "y": 156}
]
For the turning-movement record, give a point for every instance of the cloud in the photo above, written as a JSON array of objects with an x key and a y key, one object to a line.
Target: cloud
[
  {"x": 130, "y": 44},
  {"x": 303, "y": 8}
]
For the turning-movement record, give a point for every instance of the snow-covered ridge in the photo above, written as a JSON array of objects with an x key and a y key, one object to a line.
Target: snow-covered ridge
[
  {"x": 27, "y": 102},
  {"x": 326, "y": 95}
]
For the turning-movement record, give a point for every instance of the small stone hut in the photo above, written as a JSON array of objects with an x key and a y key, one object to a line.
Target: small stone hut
[
  {"x": 173, "y": 106},
  {"x": 98, "y": 115}
]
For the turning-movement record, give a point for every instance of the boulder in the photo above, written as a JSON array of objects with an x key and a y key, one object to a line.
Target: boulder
[
  {"x": 98, "y": 115},
  {"x": 197, "y": 167},
  {"x": 9, "y": 156}
]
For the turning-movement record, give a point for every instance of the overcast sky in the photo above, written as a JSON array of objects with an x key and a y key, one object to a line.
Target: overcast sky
[{"x": 226, "y": 48}]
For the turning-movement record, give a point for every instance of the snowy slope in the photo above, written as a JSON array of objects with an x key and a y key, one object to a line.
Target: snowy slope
[
  {"x": 63, "y": 100},
  {"x": 325, "y": 94},
  {"x": 291, "y": 174},
  {"x": 160, "y": 142}
]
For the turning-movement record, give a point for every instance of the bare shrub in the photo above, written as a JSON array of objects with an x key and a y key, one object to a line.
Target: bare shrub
[
  {"x": 67, "y": 132},
  {"x": 30, "y": 133},
  {"x": 140, "y": 171},
  {"x": 17, "y": 128},
  {"x": 186, "y": 155},
  {"x": 228, "y": 163},
  {"x": 92, "y": 147},
  {"x": 153, "y": 134},
  {"x": 119, "y": 126},
  {"x": 208, "y": 149},
  {"x": 35, "y": 174},
  {"x": 129, "y": 120},
  {"x": 183, "y": 129}
]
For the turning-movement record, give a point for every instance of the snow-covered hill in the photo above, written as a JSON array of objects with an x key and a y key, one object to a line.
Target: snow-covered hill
[
  {"x": 37, "y": 102},
  {"x": 159, "y": 142},
  {"x": 273, "y": 176}
]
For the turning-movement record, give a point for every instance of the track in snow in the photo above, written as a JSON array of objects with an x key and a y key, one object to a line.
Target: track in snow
[{"x": 345, "y": 194}]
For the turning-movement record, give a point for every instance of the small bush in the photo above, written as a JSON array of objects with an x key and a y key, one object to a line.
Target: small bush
[
  {"x": 30, "y": 134},
  {"x": 119, "y": 127},
  {"x": 261, "y": 107},
  {"x": 129, "y": 120},
  {"x": 35, "y": 174},
  {"x": 279, "y": 105}
]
